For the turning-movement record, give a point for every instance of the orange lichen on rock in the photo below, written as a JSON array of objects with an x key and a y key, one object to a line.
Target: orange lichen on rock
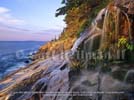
[{"x": 56, "y": 47}]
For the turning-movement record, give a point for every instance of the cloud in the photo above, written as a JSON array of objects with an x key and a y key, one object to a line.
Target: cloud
[
  {"x": 8, "y": 33},
  {"x": 7, "y": 18},
  {"x": 12, "y": 28},
  {"x": 22, "y": 36},
  {"x": 3, "y": 10},
  {"x": 9, "y": 29},
  {"x": 48, "y": 34},
  {"x": 52, "y": 31}
]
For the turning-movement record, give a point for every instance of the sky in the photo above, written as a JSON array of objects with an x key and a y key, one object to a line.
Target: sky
[{"x": 30, "y": 20}]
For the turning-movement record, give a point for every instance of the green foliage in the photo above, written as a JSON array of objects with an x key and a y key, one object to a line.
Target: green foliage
[
  {"x": 123, "y": 42},
  {"x": 82, "y": 28},
  {"x": 79, "y": 15},
  {"x": 62, "y": 11},
  {"x": 101, "y": 4},
  {"x": 75, "y": 64}
]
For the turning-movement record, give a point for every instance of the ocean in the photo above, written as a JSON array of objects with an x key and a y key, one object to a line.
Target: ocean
[{"x": 15, "y": 54}]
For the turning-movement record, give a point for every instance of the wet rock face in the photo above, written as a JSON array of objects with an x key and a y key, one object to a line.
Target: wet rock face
[
  {"x": 129, "y": 77},
  {"x": 40, "y": 84},
  {"x": 55, "y": 75},
  {"x": 128, "y": 5},
  {"x": 58, "y": 83}
]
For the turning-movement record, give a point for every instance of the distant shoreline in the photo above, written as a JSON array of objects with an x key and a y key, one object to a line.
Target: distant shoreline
[{"x": 24, "y": 41}]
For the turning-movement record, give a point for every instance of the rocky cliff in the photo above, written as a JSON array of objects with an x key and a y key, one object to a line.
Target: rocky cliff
[{"x": 67, "y": 75}]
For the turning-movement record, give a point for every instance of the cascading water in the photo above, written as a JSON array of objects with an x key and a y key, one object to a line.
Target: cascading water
[
  {"x": 115, "y": 25},
  {"x": 129, "y": 77}
]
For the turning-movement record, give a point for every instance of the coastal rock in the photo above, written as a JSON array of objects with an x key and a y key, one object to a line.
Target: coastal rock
[
  {"x": 40, "y": 84},
  {"x": 58, "y": 83},
  {"x": 55, "y": 78}
]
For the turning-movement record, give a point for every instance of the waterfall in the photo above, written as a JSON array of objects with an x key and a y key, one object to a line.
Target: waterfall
[
  {"x": 118, "y": 22},
  {"x": 129, "y": 25},
  {"x": 89, "y": 33},
  {"x": 103, "y": 29},
  {"x": 110, "y": 24},
  {"x": 129, "y": 77},
  {"x": 112, "y": 29}
]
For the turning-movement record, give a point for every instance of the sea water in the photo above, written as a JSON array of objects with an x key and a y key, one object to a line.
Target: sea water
[{"x": 15, "y": 54}]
